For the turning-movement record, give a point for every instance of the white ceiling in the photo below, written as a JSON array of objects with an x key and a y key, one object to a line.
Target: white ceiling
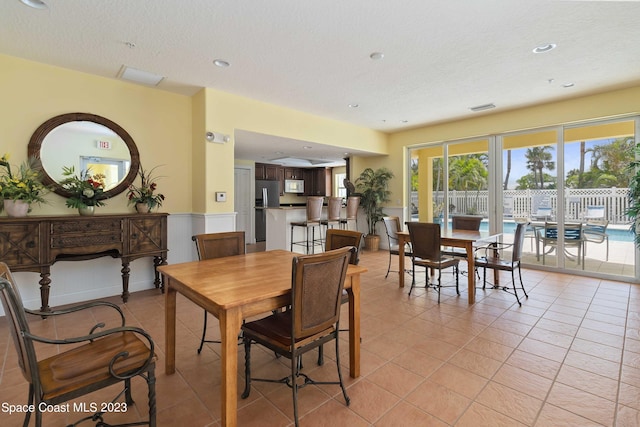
[{"x": 441, "y": 57}]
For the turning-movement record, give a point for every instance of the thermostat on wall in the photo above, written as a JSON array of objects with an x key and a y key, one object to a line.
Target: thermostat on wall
[{"x": 221, "y": 196}]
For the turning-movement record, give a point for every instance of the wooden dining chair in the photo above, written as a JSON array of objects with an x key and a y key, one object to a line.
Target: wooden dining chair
[
  {"x": 217, "y": 245},
  {"x": 425, "y": 243},
  {"x": 495, "y": 258},
  {"x": 102, "y": 358},
  {"x": 336, "y": 239},
  {"x": 392, "y": 226},
  {"x": 313, "y": 320}
]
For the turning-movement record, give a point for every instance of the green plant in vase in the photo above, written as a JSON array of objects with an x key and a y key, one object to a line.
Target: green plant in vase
[
  {"x": 143, "y": 196},
  {"x": 87, "y": 189},
  {"x": 23, "y": 188}
]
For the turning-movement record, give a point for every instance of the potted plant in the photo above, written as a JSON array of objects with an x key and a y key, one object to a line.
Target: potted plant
[
  {"x": 373, "y": 187},
  {"x": 87, "y": 189},
  {"x": 18, "y": 191},
  {"x": 143, "y": 196}
]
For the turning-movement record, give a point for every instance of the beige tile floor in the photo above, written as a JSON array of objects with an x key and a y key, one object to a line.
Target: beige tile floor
[{"x": 570, "y": 356}]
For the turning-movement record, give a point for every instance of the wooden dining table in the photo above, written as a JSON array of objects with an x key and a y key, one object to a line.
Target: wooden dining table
[
  {"x": 235, "y": 288},
  {"x": 457, "y": 238}
]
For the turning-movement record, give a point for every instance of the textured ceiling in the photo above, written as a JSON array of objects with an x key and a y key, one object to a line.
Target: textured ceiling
[{"x": 440, "y": 57}]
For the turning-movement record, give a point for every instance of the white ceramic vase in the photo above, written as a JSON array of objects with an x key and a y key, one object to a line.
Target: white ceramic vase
[{"x": 16, "y": 208}]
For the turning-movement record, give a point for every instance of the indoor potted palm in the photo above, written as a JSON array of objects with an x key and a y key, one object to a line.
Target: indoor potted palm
[
  {"x": 373, "y": 188},
  {"x": 19, "y": 190},
  {"x": 143, "y": 196}
]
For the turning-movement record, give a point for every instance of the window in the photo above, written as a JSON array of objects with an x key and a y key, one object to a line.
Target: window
[{"x": 339, "y": 185}]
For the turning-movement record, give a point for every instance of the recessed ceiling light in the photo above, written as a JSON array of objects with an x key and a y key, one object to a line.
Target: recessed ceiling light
[
  {"x": 405, "y": 121},
  {"x": 376, "y": 56},
  {"x": 307, "y": 147},
  {"x": 221, "y": 63},
  {"x": 36, "y": 4},
  {"x": 353, "y": 105},
  {"x": 544, "y": 48},
  {"x": 279, "y": 152},
  {"x": 568, "y": 85}
]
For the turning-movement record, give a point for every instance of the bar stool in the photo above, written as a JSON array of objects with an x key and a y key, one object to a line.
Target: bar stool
[
  {"x": 333, "y": 213},
  {"x": 353, "y": 202},
  {"x": 314, "y": 212}
]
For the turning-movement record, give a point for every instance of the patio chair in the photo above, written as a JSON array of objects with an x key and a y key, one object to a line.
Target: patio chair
[
  {"x": 100, "y": 359},
  {"x": 595, "y": 231},
  {"x": 313, "y": 320},
  {"x": 495, "y": 259},
  {"x": 217, "y": 245},
  {"x": 594, "y": 212},
  {"x": 544, "y": 213},
  {"x": 573, "y": 238},
  {"x": 425, "y": 241}
]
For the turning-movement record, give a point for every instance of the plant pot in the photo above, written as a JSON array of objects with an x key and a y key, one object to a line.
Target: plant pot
[
  {"x": 88, "y": 211},
  {"x": 16, "y": 208},
  {"x": 143, "y": 208},
  {"x": 371, "y": 242}
]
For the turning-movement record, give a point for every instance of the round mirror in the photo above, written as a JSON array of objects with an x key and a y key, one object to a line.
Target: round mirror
[{"x": 86, "y": 142}]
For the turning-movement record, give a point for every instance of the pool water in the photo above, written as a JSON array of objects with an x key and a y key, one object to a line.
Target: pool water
[{"x": 615, "y": 234}]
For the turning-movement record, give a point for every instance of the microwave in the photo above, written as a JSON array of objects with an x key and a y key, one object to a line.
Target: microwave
[{"x": 294, "y": 186}]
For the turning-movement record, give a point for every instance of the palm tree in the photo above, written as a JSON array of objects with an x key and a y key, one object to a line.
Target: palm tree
[{"x": 538, "y": 159}]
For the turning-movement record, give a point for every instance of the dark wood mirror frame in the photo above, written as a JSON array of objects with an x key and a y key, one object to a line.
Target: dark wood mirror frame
[{"x": 38, "y": 137}]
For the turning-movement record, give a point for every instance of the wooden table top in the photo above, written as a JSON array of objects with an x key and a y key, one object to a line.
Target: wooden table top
[{"x": 238, "y": 280}]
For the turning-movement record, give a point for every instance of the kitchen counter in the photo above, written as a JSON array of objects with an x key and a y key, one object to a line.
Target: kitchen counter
[{"x": 279, "y": 226}]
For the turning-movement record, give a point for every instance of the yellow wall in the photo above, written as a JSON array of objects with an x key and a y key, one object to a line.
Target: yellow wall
[
  {"x": 226, "y": 112},
  {"x": 605, "y": 105},
  {"x": 158, "y": 121},
  {"x": 168, "y": 129}
]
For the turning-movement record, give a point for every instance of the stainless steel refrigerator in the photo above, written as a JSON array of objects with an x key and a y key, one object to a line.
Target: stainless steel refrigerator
[{"x": 267, "y": 196}]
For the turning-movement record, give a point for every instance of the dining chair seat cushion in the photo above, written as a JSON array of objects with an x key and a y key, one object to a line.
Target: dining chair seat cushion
[
  {"x": 276, "y": 329},
  {"x": 495, "y": 263},
  {"x": 444, "y": 262},
  {"x": 88, "y": 364}
]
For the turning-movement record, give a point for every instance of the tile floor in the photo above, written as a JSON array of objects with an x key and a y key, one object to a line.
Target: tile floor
[{"x": 570, "y": 356}]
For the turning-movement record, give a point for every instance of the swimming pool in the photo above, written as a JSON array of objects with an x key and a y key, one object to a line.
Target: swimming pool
[{"x": 619, "y": 233}]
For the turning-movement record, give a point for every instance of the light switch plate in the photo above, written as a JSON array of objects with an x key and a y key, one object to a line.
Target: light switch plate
[{"x": 221, "y": 196}]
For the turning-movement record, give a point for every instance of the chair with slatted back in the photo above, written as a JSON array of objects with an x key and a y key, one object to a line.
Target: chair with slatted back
[
  {"x": 217, "y": 245},
  {"x": 425, "y": 244},
  {"x": 312, "y": 321},
  {"x": 107, "y": 355}
]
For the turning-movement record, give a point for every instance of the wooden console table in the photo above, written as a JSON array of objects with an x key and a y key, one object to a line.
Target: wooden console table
[{"x": 37, "y": 242}]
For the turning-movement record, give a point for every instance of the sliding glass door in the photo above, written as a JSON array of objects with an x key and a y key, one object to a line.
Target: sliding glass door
[{"x": 568, "y": 183}]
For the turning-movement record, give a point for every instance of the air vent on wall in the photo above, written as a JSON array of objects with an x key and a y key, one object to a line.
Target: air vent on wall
[{"x": 482, "y": 107}]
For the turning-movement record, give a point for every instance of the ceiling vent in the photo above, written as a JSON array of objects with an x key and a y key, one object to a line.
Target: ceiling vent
[
  {"x": 482, "y": 107},
  {"x": 139, "y": 76}
]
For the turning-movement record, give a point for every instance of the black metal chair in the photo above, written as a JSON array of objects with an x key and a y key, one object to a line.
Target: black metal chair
[
  {"x": 392, "y": 226},
  {"x": 336, "y": 239},
  {"x": 217, "y": 245},
  {"x": 101, "y": 358},
  {"x": 313, "y": 320},
  {"x": 494, "y": 259},
  {"x": 425, "y": 243}
]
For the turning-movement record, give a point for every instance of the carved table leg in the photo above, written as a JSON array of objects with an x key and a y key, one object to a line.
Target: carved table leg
[
  {"x": 45, "y": 281},
  {"x": 158, "y": 261},
  {"x": 125, "y": 281}
]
